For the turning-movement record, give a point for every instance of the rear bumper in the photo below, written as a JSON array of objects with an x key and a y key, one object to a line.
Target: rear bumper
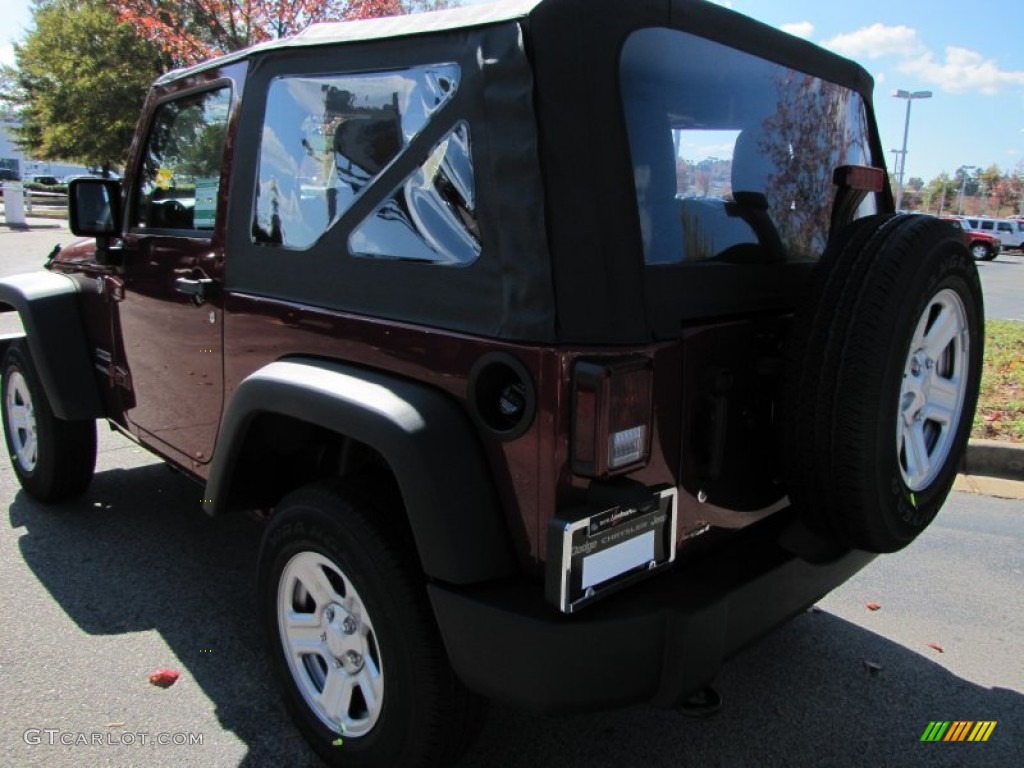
[{"x": 656, "y": 642}]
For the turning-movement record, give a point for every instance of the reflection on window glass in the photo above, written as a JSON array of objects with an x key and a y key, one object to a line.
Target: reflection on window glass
[
  {"x": 181, "y": 163},
  {"x": 325, "y": 138},
  {"x": 733, "y": 155},
  {"x": 431, "y": 217}
]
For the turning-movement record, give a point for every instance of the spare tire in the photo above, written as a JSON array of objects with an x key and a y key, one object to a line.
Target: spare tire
[{"x": 884, "y": 366}]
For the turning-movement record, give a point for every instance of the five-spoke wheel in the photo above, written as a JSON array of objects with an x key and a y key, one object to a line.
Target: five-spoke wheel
[
  {"x": 53, "y": 458},
  {"x": 934, "y": 388},
  {"x": 21, "y": 421},
  {"x": 330, "y": 644},
  {"x": 351, "y": 635}
]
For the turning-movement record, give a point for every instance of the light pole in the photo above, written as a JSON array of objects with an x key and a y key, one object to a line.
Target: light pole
[
  {"x": 909, "y": 96},
  {"x": 963, "y": 183},
  {"x": 898, "y": 165}
]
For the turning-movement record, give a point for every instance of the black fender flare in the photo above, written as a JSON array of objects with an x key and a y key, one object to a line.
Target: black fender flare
[
  {"x": 423, "y": 434},
  {"x": 50, "y": 313}
]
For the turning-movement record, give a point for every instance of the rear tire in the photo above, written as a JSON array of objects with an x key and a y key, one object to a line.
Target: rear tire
[
  {"x": 54, "y": 459},
  {"x": 982, "y": 252},
  {"x": 352, "y": 638},
  {"x": 884, "y": 371}
]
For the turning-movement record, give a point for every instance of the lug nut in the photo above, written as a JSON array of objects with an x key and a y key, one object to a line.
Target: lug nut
[{"x": 354, "y": 659}]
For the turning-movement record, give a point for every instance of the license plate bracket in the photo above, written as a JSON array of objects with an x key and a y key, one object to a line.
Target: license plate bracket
[{"x": 593, "y": 553}]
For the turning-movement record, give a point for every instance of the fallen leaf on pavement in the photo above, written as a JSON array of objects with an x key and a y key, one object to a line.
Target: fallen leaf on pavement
[
  {"x": 873, "y": 606},
  {"x": 164, "y": 677},
  {"x": 936, "y": 647}
]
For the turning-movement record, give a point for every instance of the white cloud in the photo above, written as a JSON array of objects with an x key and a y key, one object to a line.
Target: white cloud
[
  {"x": 724, "y": 3},
  {"x": 962, "y": 70},
  {"x": 959, "y": 71},
  {"x": 7, "y": 54},
  {"x": 802, "y": 29},
  {"x": 876, "y": 41}
]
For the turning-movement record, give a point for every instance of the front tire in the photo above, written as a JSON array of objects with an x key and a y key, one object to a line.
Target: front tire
[
  {"x": 54, "y": 459},
  {"x": 351, "y": 636},
  {"x": 885, "y": 371}
]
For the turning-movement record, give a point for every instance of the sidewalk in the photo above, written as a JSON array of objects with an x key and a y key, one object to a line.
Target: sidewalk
[{"x": 33, "y": 223}]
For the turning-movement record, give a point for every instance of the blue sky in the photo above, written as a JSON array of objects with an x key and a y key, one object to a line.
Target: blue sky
[{"x": 970, "y": 55}]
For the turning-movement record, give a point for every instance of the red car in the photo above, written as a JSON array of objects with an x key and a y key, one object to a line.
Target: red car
[{"x": 983, "y": 246}]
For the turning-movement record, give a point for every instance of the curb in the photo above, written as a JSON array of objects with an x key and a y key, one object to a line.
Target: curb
[
  {"x": 34, "y": 224},
  {"x": 992, "y": 468},
  {"x": 994, "y": 458}
]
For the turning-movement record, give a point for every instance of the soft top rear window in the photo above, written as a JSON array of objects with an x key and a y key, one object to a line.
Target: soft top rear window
[{"x": 733, "y": 155}]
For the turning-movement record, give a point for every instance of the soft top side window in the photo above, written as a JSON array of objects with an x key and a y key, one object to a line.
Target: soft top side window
[
  {"x": 181, "y": 163},
  {"x": 326, "y": 138}
]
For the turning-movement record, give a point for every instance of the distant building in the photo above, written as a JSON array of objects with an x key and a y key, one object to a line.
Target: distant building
[{"x": 12, "y": 157}]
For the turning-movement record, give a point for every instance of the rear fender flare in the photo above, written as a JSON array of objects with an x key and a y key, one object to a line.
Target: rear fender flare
[{"x": 423, "y": 434}]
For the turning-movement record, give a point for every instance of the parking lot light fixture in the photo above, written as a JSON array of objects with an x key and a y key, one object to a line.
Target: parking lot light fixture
[{"x": 909, "y": 96}]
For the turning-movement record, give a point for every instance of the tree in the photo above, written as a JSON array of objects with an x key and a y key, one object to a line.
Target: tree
[
  {"x": 939, "y": 194},
  {"x": 1015, "y": 182},
  {"x": 970, "y": 186},
  {"x": 197, "y": 30},
  {"x": 8, "y": 92},
  {"x": 79, "y": 82}
]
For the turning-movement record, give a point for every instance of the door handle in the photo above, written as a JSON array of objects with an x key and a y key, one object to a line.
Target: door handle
[{"x": 196, "y": 289}]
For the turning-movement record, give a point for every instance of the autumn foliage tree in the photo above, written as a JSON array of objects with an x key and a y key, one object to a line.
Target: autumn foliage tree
[{"x": 195, "y": 30}]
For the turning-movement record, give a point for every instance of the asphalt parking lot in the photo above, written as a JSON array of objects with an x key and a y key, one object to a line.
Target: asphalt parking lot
[
  {"x": 132, "y": 577},
  {"x": 1003, "y": 282},
  {"x": 101, "y": 592}
]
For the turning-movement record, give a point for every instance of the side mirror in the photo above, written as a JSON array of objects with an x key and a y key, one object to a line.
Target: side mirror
[{"x": 94, "y": 208}]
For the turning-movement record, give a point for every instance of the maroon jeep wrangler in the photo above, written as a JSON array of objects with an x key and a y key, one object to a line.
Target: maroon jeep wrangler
[{"x": 542, "y": 328}]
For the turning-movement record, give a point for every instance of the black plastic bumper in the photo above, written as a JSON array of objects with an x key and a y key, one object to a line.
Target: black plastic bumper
[{"x": 657, "y": 641}]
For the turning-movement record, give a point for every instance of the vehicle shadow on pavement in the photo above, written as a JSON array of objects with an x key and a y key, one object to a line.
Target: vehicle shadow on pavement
[
  {"x": 137, "y": 554},
  {"x": 802, "y": 696}
]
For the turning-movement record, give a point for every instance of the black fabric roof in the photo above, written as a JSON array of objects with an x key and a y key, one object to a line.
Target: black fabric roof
[{"x": 576, "y": 167}]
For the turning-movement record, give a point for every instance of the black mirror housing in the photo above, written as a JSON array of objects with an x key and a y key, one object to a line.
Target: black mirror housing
[{"x": 94, "y": 207}]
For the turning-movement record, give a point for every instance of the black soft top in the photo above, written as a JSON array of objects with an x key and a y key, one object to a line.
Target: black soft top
[
  {"x": 563, "y": 22},
  {"x": 554, "y": 154}
]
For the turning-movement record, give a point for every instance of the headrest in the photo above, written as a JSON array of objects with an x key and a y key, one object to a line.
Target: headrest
[{"x": 752, "y": 165}]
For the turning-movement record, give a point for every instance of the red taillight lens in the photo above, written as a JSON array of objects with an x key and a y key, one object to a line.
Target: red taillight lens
[{"x": 612, "y": 406}]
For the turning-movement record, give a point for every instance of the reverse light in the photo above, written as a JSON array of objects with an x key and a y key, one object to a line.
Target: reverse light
[{"x": 612, "y": 406}]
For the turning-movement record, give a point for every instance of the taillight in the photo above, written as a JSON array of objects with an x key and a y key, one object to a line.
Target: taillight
[
  {"x": 612, "y": 406},
  {"x": 862, "y": 178}
]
